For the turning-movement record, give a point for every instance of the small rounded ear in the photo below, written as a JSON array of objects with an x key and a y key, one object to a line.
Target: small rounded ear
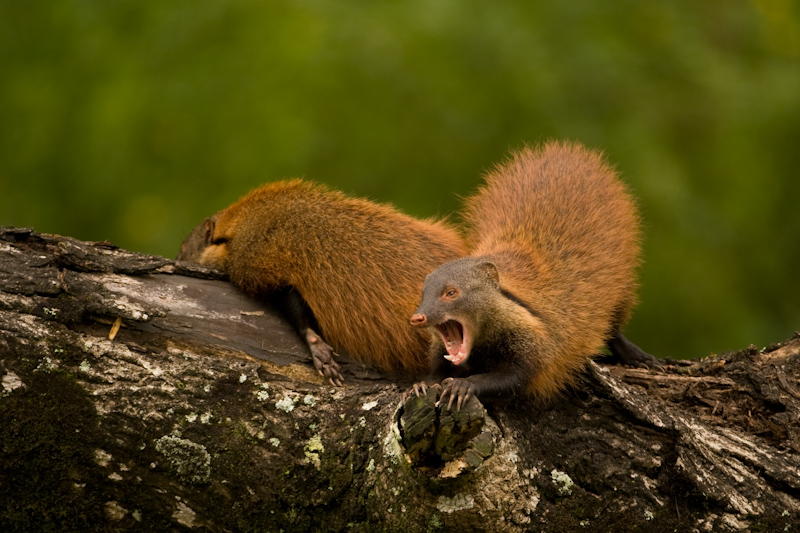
[
  {"x": 490, "y": 271},
  {"x": 209, "y": 223}
]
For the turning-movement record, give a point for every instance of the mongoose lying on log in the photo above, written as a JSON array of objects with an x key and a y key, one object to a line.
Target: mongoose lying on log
[{"x": 345, "y": 269}]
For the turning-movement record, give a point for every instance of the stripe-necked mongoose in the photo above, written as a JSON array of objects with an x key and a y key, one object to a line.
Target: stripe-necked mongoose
[
  {"x": 554, "y": 240},
  {"x": 345, "y": 267}
]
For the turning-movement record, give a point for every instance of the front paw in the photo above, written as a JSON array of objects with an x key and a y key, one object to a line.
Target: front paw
[
  {"x": 418, "y": 389},
  {"x": 458, "y": 390}
]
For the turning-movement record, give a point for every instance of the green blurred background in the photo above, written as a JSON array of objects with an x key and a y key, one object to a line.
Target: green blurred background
[{"x": 131, "y": 121}]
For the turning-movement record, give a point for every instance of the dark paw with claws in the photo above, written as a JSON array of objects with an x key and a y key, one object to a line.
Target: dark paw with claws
[
  {"x": 458, "y": 390},
  {"x": 322, "y": 355}
]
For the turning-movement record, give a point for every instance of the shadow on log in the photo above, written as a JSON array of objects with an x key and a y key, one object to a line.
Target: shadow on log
[{"x": 204, "y": 414}]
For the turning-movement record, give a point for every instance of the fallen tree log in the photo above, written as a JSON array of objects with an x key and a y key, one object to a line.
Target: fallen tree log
[{"x": 202, "y": 412}]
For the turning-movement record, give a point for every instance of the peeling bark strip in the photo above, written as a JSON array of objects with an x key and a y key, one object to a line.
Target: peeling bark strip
[{"x": 204, "y": 413}]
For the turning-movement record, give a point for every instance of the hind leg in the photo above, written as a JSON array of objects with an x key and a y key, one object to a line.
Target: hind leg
[{"x": 302, "y": 318}]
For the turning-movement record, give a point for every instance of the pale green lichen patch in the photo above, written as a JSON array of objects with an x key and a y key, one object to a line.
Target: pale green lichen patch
[
  {"x": 286, "y": 404},
  {"x": 310, "y": 400},
  {"x": 11, "y": 382},
  {"x": 262, "y": 393},
  {"x": 562, "y": 481},
  {"x": 313, "y": 449},
  {"x": 459, "y": 502},
  {"x": 361, "y": 422},
  {"x": 188, "y": 460},
  {"x": 184, "y": 515},
  {"x": 102, "y": 457},
  {"x": 46, "y": 365},
  {"x": 114, "y": 511},
  {"x": 84, "y": 366},
  {"x": 275, "y": 442},
  {"x": 392, "y": 446}
]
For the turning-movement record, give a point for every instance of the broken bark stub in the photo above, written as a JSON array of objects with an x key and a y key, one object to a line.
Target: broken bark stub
[{"x": 443, "y": 444}]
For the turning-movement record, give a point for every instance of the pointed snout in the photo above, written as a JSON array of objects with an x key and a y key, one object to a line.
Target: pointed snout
[{"x": 419, "y": 320}]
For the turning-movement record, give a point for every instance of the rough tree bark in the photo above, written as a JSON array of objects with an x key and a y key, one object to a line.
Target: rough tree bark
[{"x": 203, "y": 413}]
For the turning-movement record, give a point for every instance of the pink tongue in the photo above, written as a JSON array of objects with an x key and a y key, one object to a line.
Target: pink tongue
[{"x": 454, "y": 333}]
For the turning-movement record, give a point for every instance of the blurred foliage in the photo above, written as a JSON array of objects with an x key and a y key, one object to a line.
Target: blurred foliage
[{"x": 131, "y": 121}]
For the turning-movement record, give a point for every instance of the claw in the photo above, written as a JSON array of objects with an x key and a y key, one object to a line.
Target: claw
[
  {"x": 333, "y": 376},
  {"x": 417, "y": 389},
  {"x": 461, "y": 401}
]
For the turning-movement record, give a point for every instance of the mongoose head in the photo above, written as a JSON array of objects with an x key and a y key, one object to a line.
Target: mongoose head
[
  {"x": 196, "y": 242},
  {"x": 205, "y": 245},
  {"x": 454, "y": 303}
]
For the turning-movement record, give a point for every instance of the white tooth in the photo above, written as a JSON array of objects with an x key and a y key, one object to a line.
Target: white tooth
[{"x": 448, "y": 357}]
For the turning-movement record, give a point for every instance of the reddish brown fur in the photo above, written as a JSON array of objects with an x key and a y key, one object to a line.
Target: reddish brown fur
[
  {"x": 564, "y": 234},
  {"x": 360, "y": 266}
]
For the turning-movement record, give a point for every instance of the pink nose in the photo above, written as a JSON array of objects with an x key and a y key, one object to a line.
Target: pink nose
[{"x": 419, "y": 320}]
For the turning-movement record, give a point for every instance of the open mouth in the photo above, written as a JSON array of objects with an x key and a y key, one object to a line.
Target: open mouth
[{"x": 455, "y": 341}]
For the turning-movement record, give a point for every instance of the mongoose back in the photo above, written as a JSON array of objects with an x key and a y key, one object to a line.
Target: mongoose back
[
  {"x": 554, "y": 240},
  {"x": 356, "y": 265}
]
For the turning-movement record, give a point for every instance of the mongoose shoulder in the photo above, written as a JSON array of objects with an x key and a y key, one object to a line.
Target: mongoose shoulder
[
  {"x": 356, "y": 266},
  {"x": 554, "y": 240}
]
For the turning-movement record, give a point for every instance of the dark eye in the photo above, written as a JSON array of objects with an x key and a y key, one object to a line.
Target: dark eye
[{"x": 451, "y": 293}]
